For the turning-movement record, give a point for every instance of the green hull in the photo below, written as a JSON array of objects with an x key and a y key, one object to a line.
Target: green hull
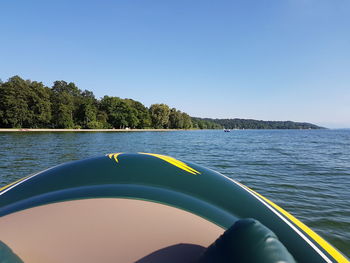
[{"x": 168, "y": 181}]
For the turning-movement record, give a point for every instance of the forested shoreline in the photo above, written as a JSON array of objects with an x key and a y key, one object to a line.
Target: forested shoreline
[
  {"x": 259, "y": 124},
  {"x": 31, "y": 104}
]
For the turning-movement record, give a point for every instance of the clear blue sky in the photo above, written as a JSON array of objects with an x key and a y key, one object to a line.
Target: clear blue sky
[{"x": 271, "y": 60}]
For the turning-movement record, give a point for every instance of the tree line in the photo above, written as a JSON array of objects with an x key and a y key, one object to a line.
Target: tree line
[
  {"x": 31, "y": 104},
  {"x": 259, "y": 124}
]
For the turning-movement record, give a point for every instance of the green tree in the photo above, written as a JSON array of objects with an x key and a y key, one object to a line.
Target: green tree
[
  {"x": 62, "y": 99},
  {"x": 205, "y": 123},
  {"x": 120, "y": 113},
  {"x": 87, "y": 113},
  {"x": 159, "y": 115},
  {"x": 86, "y": 110},
  {"x": 61, "y": 86},
  {"x": 39, "y": 105},
  {"x": 102, "y": 119},
  {"x": 74, "y": 98},
  {"x": 142, "y": 114},
  {"x": 13, "y": 103},
  {"x": 2, "y": 106},
  {"x": 187, "y": 122},
  {"x": 176, "y": 120}
]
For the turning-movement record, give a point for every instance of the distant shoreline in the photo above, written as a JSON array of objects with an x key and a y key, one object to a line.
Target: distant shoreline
[
  {"x": 88, "y": 130},
  {"x": 122, "y": 130}
]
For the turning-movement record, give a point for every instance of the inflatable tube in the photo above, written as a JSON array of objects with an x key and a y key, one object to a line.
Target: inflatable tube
[{"x": 177, "y": 189}]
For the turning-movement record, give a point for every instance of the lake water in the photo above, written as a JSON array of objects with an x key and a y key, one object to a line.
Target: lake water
[{"x": 307, "y": 172}]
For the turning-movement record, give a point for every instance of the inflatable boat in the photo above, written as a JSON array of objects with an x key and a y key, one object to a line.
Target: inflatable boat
[{"x": 147, "y": 207}]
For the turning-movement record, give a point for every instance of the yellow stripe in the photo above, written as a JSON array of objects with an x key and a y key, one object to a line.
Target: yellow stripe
[
  {"x": 174, "y": 162},
  {"x": 319, "y": 240},
  {"x": 168, "y": 159},
  {"x": 114, "y": 156},
  {"x": 11, "y": 184}
]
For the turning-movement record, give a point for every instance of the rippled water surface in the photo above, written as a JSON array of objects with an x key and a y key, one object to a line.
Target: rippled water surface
[{"x": 307, "y": 172}]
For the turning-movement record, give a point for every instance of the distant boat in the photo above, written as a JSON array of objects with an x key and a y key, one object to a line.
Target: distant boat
[{"x": 227, "y": 130}]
